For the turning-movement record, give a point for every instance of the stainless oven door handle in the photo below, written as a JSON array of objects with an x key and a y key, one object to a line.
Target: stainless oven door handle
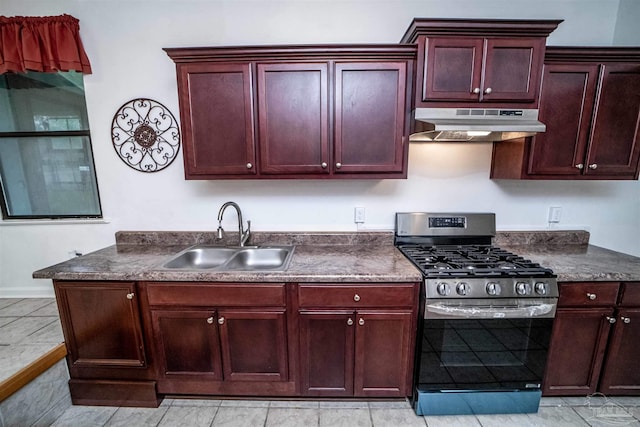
[{"x": 443, "y": 310}]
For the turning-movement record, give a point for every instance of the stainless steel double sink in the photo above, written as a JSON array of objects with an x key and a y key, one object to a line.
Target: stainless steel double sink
[{"x": 220, "y": 258}]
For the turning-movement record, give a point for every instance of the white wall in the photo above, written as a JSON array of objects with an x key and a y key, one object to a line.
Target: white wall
[
  {"x": 124, "y": 39},
  {"x": 627, "y": 32}
]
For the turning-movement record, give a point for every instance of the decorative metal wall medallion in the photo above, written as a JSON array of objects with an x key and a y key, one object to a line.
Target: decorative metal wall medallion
[{"x": 145, "y": 135}]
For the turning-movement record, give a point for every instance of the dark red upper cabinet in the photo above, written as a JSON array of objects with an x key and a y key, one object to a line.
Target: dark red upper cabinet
[
  {"x": 275, "y": 112},
  {"x": 370, "y": 117},
  {"x": 478, "y": 63},
  {"x": 293, "y": 110},
  {"x": 590, "y": 103},
  {"x": 216, "y": 111}
]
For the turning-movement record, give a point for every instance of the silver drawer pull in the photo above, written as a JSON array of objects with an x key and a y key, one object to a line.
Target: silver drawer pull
[
  {"x": 580, "y": 166},
  {"x": 591, "y": 296},
  {"x": 611, "y": 320},
  {"x": 593, "y": 166},
  {"x": 488, "y": 90},
  {"x": 350, "y": 321},
  {"x": 356, "y": 297},
  {"x": 221, "y": 321},
  {"x": 361, "y": 321},
  {"x": 476, "y": 90},
  {"x": 130, "y": 296},
  {"x": 249, "y": 165},
  {"x": 625, "y": 319},
  {"x": 210, "y": 320}
]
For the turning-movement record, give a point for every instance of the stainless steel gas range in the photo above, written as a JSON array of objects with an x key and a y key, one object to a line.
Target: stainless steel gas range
[{"x": 487, "y": 317}]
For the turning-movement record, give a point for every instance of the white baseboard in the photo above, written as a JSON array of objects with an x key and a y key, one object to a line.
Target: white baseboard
[{"x": 44, "y": 291}]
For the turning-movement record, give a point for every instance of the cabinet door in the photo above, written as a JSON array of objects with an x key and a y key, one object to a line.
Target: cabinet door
[
  {"x": 326, "y": 353},
  {"x": 101, "y": 324},
  {"x": 512, "y": 69},
  {"x": 621, "y": 374},
  {"x": 293, "y": 118},
  {"x": 452, "y": 69},
  {"x": 566, "y": 103},
  {"x": 370, "y": 105},
  {"x": 188, "y": 347},
  {"x": 576, "y": 352},
  {"x": 254, "y": 345},
  {"x": 216, "y": 110},
  {"x": 615, "y": 136},
  {"x": 383, "y": 344}
]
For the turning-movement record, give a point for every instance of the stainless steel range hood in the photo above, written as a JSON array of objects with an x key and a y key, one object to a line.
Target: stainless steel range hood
[{"x": 474, "y": 124}]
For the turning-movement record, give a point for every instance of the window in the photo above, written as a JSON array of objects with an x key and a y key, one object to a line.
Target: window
[{"x": 46, "y": 161}]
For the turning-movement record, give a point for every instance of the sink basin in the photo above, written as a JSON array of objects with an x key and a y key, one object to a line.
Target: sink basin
[
  {"x": 262, "y": 258},
  {"x": 259, "y": 259},
  {"x": 201, "y": 257}
]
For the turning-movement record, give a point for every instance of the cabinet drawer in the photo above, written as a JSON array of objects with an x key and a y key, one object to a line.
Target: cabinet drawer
[
  {"x": 216, "y": 294},
  {"x": 356, "y": 296},
  {"x": 588, "y": 294},
  {"x": 630, "y": 294}
]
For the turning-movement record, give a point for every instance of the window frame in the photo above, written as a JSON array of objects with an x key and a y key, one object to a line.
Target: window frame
[{"x": 4, "y": 207}]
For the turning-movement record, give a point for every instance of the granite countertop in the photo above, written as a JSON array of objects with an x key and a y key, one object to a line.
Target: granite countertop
[
  {"x": 570, "y": 256},
  {"x": 317, "y": 257},
  {"x": 334, "y": 257}
]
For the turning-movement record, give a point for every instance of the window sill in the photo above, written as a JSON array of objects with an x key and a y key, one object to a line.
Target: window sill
[{"x": 9, "y": 222}]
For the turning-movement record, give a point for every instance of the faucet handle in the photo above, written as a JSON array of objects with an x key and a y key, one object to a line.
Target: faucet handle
[{"x": 245, "y": 234}]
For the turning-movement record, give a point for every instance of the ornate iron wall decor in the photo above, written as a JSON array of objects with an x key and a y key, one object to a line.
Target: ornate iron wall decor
[{"x": 145, "y": 135}]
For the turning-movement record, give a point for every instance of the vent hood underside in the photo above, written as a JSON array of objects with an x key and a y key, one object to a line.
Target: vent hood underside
[{"x": 474, "y": 124}]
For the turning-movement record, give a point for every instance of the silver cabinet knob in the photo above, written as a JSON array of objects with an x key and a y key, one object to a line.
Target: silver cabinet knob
[
  {"x": 625, "y": 319},
  {"x": 611, "y": 319},
  {"x": 488, "y": 90},
  {"x": 349, "y": 321},
  {"x": 361, "y": 321},
  {"x": 356, "y": 297},
  {"x": 591, "y": 296},
  {"x": 476, "y": 90},
  {"x": 130, "y": 296},
  {"x": 338, "y": 165},
  {"x": 221, "y": 321},
  {"x": 580, "y": 166},
  {"x": 210, "y": 320},
  {"x": 324, "y": 165},
  {"x": 249, "y": 165},
  {"x": 593, "y": 166}
]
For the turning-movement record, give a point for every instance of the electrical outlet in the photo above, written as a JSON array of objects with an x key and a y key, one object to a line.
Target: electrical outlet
[
  {"x": 358, "y": 215},
  {"x": 555, "y": 212}
]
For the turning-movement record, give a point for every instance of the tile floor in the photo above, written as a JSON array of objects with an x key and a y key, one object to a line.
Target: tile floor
[
  {"x": 553, "y": 412},
  {"x": 30, "y": 327}
]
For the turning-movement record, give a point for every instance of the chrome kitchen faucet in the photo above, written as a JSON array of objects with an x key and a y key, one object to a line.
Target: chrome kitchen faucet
[{"x": 243, "y": 235}]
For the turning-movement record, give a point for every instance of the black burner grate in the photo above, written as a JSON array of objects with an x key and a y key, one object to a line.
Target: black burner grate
[{"x": 471, "y": 261}]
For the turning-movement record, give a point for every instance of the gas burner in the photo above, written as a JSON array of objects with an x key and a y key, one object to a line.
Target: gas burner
[
  {"x": 507, "y": 266},
  {"x": 442, "y": 266}
]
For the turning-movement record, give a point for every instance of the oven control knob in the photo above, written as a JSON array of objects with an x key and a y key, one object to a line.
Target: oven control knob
[
  {"x": 443, "y": 289},
  {"x": 493, "y": 288},
  {"x": 462, "y": 288},
  {"x": 522, "y": 288},
  {"x": 541, "y": 288}
]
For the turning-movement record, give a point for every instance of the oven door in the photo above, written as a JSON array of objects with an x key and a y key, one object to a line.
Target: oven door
[{"x": 485, "y": 344}]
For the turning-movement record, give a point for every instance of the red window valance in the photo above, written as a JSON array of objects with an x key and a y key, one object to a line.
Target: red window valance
[{"x": 45, "y": 44}]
